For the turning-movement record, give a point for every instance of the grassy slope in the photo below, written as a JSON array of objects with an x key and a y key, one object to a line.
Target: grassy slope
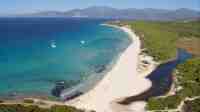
[
  {"x": 160, "y": 38},
  {"x": 156, "y": 40}
]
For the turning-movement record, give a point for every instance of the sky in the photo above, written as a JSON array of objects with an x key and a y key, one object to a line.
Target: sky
[{"x": 27, "y": 6}]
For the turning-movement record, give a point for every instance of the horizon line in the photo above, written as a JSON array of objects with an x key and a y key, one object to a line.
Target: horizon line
[{"x": 38, "y": 11}]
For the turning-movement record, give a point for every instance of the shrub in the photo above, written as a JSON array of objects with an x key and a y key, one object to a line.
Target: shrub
[
  {"x": 28, "y": 101},
  {"x": 155, "y": 104},
  {"x": 192, "y": 106},
  {"x": 1, "y": 101},
  {"x": 33, "y": 108},
  {"x": 170, "y": 102}
]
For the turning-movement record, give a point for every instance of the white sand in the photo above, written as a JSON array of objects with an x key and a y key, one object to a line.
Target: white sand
[{"x": 122, "y": 81}]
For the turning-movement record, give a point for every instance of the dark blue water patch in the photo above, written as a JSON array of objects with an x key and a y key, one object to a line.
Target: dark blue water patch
[{"x": 161, "y": 78}]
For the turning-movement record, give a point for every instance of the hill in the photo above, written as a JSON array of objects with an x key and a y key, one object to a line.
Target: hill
[{"x": 130, "y": 13}]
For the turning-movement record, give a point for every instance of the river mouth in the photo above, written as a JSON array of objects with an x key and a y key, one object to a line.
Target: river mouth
[{"x": 161, "y": 78}]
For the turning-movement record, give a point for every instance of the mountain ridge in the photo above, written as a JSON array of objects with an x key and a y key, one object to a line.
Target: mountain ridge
[{"x": 114, "y": 13}]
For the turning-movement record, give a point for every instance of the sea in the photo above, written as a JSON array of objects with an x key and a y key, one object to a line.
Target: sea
[{"x": 44, "y": 56}]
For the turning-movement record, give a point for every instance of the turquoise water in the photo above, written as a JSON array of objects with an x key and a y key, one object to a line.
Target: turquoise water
[{"x": 36, "y": 53}]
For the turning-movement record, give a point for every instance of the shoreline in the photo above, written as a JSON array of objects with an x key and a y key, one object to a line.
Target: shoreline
[
  {"x": 125, "y": 78},
  {"x": 122, "y": 81}
]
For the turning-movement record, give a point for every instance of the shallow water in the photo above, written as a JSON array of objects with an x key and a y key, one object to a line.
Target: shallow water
[{"x": 37, "y": 53}]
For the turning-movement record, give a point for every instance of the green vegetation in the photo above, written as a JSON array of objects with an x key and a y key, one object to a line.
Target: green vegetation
[
  {"x": 1, "y": 101},
  {"x": 32, "y": 108},
  {"x": 192, "y": 106},
  {"x": 28, "y": 101},
  {"x": 166, "y": 103},
  {"x": 160, "y": 38},
  {"x": 64, "y": 109},
  {"x": 159, "y": 43},
  {"x": 188, "y": 77}
]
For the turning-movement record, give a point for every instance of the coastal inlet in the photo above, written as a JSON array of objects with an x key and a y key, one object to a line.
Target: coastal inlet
[{"x": 161, "y": 79}]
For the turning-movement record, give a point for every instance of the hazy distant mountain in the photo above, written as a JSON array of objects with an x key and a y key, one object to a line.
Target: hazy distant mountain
[
  {"x": 94, "y": 12},
  {"x": 131, "y": 13},
  {"x": 44, "y": 13}
]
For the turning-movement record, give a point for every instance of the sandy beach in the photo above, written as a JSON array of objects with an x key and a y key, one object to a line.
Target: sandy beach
[{"x": 122, "y": 81}]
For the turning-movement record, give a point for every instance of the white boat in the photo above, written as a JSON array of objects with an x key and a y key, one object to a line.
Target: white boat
[
  {"x": 82, "y": 42},
  {"x": 53, "y": 45}
]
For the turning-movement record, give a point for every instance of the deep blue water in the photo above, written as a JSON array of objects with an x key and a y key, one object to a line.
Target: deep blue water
[{"x": 35, "y": 53}]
